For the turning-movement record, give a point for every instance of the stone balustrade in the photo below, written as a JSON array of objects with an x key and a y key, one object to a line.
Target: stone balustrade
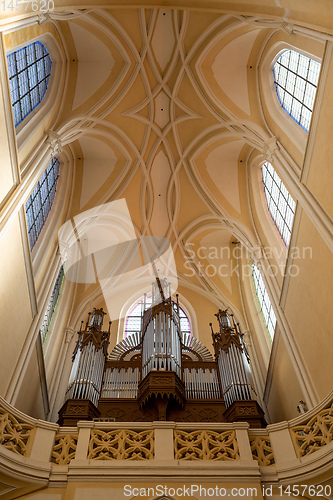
[{"x": 45, "y": 452}]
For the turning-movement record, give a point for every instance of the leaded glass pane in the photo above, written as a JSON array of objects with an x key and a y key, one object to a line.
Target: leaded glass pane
[
  {"x": 280, "y": 204},
  {"x": 264, "y": 301},
  {"x": 29, "y": 72},
  {"x": 52, "y": 304},
  {"x": 40, "y": 201},
  {"x": 296, "y": 78}
]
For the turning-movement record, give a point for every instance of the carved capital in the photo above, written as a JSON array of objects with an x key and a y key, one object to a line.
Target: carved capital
[
  {"x": 43, "y": 18},
  {"x": 54, "y": 142},
  {"x": 288, "y": 28},
  {"x": 69, "y": 333},
  {"x": 256, "y": 255},
  {"x": 269, "y": 149},
  {"x": 247, "y": 338}
]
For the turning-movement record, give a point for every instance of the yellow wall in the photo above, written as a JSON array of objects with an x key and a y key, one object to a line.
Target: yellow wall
[{"x": 15, "y": 308}]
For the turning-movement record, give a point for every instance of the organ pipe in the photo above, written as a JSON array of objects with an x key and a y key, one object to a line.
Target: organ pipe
[
  {"x": 232, "y": 359},
  {"x": 89, "y": 359},
  {"x": 161, "y": 335}
]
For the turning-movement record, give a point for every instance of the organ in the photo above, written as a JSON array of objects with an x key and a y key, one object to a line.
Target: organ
[{"x": 160, "y": 373}]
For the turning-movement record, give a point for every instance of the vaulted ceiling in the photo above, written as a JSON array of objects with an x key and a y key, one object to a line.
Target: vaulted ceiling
[{"x": 162, "y": 109}]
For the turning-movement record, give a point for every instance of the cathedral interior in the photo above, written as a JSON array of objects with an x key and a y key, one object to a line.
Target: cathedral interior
[{"x": 166, "y": 242}]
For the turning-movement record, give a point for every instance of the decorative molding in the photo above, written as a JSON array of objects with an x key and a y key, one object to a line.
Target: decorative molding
[{"x": 288, "y": 28}]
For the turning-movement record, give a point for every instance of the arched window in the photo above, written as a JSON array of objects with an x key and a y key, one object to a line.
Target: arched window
[
  {"x": 280, "y": 203},
  {"x": 133, "y": 318},
  {"x": 296, "y": 77},
  {"x": 52, "y": 304},
  {"x": 40, "y": 202},
  {"x": 264, "y": 302},
  {"x": 29, "y": 71}
]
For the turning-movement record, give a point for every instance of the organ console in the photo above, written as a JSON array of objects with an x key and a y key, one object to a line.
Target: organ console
[{"x": 159, "y": 373}]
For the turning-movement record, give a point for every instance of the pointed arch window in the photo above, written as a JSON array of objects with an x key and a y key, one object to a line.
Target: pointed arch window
[
  {"x": 39, "y": 204},
  {"x": 264, "y": 301},
  {"x": 280, "y": 203},
  {"x": 29, "y": 71},
  {"x": 133, "y": 318},
  {"x": 296, "y": 78}
]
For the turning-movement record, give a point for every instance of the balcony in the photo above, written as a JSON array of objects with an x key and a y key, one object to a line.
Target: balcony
[{"x": 35, "y": 454}]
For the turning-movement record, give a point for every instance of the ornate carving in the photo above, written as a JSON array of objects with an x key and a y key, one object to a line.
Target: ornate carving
[
  {"x": 246, "y": 410},
  {"x": 162, "y": 380},
  {"x": 313, "y": 435},
  {"x": 54, "y": 142},
  {"x": 269, "y": 148},
  {"x": 76, "y": 410},
  {"x": 43, "y": 18},
  {"x": 208, "y": 415},
  {"x": 64, "y": 448},
  {"x": 205, "y": 445},
  {"x": 121, "y": 445},
  {"x": 14, "y": 435},
  {"x": 262, "y": 450},
  {"x": 117, "y": 413}
]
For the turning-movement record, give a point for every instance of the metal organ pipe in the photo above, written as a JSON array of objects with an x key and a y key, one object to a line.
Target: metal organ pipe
[
  {"x": 234, "y": 381},
  {"x": 161, "y": 344},
  {"x": 90, "y": 353},
  {"x": 121, "y": 383},
  {"x": 86, "y": 375},
  {"x": 201, "y": 384}
]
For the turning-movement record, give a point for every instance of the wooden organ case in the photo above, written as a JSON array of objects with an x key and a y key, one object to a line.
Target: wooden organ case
[{"x": 159, "y": 373}]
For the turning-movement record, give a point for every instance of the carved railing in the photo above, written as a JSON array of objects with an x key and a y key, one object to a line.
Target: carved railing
[
  {"x": 15, "y": 435},
  {"x": 64, "y": 448},
  {"x": 314, "y": 434},
  {"x": 206, "y": 445},
  {"x": 281, "y": 446},
  {"x": 121, "y": 444},
  {"x": 262, "y": 450}
]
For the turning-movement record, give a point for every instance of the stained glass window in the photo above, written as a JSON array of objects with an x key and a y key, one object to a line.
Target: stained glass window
[
  {"x": 29, "y": 71},
  {"x": 296, "y": 78},
  {"x": 280, "y": 203},
  {"x": 40, "y": 202},
  {"x": 52, "y": 304},
  {"x": 264, "y": 301}
]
